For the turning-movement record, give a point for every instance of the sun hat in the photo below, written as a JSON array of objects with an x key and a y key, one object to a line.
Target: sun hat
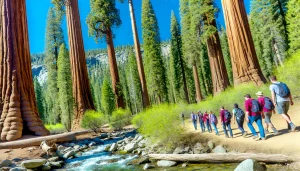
[{"x": 260, "y": 93}]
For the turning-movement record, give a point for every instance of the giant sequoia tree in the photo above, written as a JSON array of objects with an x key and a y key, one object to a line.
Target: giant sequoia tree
[
  {"x": 293, "y": 19},
  {"x": 154, "y": 66},
  {"x": 81, "y": 86},
  {"x": 18, "y": 108},
  {"x": 103, "y": 16},
  {"x": 244, "y": 60}
]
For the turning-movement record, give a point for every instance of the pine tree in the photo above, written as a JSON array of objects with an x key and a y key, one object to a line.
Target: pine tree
[
  {"x": 177, "y": 63},
  {"x": 103, "y": 16},
  {"x": 226, "y": 54},
  {"x": 38, "y": 90},
  {"x": 64, "y": 84},
  {"x": 154, "y": 67},
  {"x": 54, "y": 38},
  {"x": 293, "y": 19},
  {"x": 107, "y": 98}
]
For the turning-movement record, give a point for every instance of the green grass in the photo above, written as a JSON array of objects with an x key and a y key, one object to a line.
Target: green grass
[{"x": 56, "y": 129}]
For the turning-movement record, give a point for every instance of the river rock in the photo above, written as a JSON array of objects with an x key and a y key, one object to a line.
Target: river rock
[
  {"x": 92, "y": 144},
  {"x": 219, "y": 149},
  {"x": 143, "y": 160},
  {"x": 130, "y": 147},
  {"x": 211, "y": 144},
  {"x": 69, "y": 154},
  {"x": 113, "y": 147},
  {"x": 53, "y": 159},
  {"x": 84, "y": 147},
  {"x": 32, "y": 164},
  {"x": 140, "y": 138},
  {"x": 166, "y": 163},
  {"x": 107, "y": 147},
  {"x": 46, "y": 167},
  {"x": 18, "y": 169},
  {"x": 55, "y": 164},
  {"x": 104, "y": 135},
  {"x": 179, "y": 150},
  {"x": 77, "y": 147},
  {"x": 68, "y": 149},
  {"x": 5, "y": 163},
  {"x": 148, "y": 166},
  {"x": 249, "y": 165}
]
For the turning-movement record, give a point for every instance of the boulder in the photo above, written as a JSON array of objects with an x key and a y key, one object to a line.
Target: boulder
[
  {"x": 179, "y": 150},
  {"x": 148, "y": 166},
  {"x": 130, "y": 147},
  {"x": 32, "y": 164},
  {"x": 211, "y": 144},
  {"x": 46, "y": 167},
  {"x": 53, "y": 159},
  {"x": 69, "y": 154},
  {"x": 18, "y": 169},
  {"x": 219, "y": 149},
  {"x": 113, "y": 147},
  {"x": 166, "y": 163},
  {"x": 250, "y": 165},
  {"x": 5, "y": 163}
]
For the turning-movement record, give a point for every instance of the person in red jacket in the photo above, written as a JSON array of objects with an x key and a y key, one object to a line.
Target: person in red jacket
[{"x": 206, "y": 121}]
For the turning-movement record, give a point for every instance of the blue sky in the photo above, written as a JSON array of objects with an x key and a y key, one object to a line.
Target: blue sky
[{"x": 37, "y": 14}]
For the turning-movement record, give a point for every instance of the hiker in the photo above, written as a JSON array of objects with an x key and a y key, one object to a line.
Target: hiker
[
  {"x": 206, "y": 121},
  {"x": 282, "y": 98},
  {"x": 266, "y": 112},
  {"x": 214, "y": 121},
  {"x": 200, "y": 117},
  {"x": 182, "y": 117},
  {"x": 253, "y": 108},
  {"x": 239, "y": 117},
  {"x": 226, "y": 120},
  {"x": 194, "y": 120}
]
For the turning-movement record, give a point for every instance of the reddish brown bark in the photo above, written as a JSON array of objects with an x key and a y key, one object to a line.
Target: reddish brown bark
[
  {"x": 113, "y": 67},
  {"x": 18, "y": 107},
  {"x": 139, "y": 60},
  {"x": 245, "y": 64},
  {"x": 219, "y": 75},
  {"x": 81, "y": 86},
  {"x": 197, "y": 83}
]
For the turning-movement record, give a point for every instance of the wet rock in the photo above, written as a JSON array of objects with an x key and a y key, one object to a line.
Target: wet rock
[
  {"x": 166, "y": 163},
  {"x": 53, "y": 159},
  {"x": 79, "y": 154},
  {"x": 69, "y": 154},
  {"x": 113, "y": 147},
  {"x": 77, "y": 147},
  {"x": 55, "y": 164},
  {"x": 46, "y": 167},
  {"x": 219, "y": 149},
  {"x": 211, "y": 144},
  {"x": 92, "y": 144},
  {"x": 68, "y": 149},
  {"x": 130, "y": 147},
  {"x": 5, "y": 163},
  {"x": 107, "y": 147},
  {"x": 122, "y": 152},
  {"x": 179, "y": 150},
  {"x": 148, "y": 166},
  {"x": 18, "y": 169},
  {"x": 250, "y": 165},
  {"x": 32, "y": 164}
]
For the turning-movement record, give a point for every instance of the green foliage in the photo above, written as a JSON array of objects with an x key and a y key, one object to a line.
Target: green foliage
[
  {"x": 289, "y": 73},
  {"x": 64, "y": 84},
  {"x": 93, "y": 120},
  {"x": 160, "y": 123},
  {"x": 293, "y": 19},
  {"x": 107, "y": 98},
  {"x": 56, "y": 128},
  {"x": 226, "y": 54},
  {"x": 38, "y": 90},
  {"x": 120, "y": 118},
  {"x": 154, "y": 67}
]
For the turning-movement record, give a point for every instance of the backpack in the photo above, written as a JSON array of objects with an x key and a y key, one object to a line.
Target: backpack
[
  {"x": 268, "y": 104},
  {"x": 283, "y": 90},
  {"x": 240, "y": 115},
  {"x": 255, "y": 106},
  {"x": 228, "y": 116}
]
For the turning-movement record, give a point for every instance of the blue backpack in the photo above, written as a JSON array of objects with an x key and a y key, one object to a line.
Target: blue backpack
[
  {"x": 283, "y": 90},
  {"x": 255, "y": 106},
  {"x": 268, "y": 104}
]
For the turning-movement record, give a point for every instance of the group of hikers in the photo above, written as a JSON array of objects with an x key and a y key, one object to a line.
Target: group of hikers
[{"x": 255, "y": 111}]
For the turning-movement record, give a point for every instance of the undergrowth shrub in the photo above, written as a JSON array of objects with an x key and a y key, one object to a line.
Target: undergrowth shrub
[
  {"x": 120, "y": 118},
  {"x": 93, "y": 120},
  {"x": 56, "y": 128}
]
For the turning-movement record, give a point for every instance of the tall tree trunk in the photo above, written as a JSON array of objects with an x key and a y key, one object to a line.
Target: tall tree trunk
[
  {"x": 18, "y": 108},
  {"x": 217, "y": 64},
  {"x": 113, "y": 67},
  {"x": 282, "y": 13},
  {"x": 245, "y": 64},
  {"x": 139, "y": 60},
  {"x": 80, "y": 80},
  {"x": 197, "y": 83}
]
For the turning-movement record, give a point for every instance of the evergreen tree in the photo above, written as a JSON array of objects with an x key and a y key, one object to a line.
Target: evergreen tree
[
  {"x": 177, "y": 65},
  {"x": 38, "y": 90},
  {"x": 64, "y": 84},
  {"x": 154, "y": 67},
  {"x": 54, "y": 38},
  {"x": 102, "y": 17},
  {"x": 226, "y": 54},
  {"x": 107, "y": 98},
  {"x": 293, "y": 19}
]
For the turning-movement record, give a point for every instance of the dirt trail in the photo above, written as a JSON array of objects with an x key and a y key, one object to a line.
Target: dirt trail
[{"x": 285, "y": 142}]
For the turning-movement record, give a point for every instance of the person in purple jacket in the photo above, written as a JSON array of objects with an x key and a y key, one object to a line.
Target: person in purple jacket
[{"x": 200, "y": 118}]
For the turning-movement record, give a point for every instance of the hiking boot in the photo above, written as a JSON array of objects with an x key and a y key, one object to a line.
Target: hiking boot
[
  {"x": 255, "y": 137},
  {"x": 267, "y": 131},
  {"x": 293, "y": 128},
  {"x": 262, "y": 139},
  {"x": 244, "y": 134},
  {"x": 275, "y": 133}
]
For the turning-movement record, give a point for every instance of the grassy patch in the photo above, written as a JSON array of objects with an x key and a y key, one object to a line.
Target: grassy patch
[{"x": 56, "y": 129}]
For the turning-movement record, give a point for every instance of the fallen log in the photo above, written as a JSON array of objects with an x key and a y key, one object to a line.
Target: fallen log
[
  {"x": 226, "y": 158},
  {"x": 36, "y": 141}
]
